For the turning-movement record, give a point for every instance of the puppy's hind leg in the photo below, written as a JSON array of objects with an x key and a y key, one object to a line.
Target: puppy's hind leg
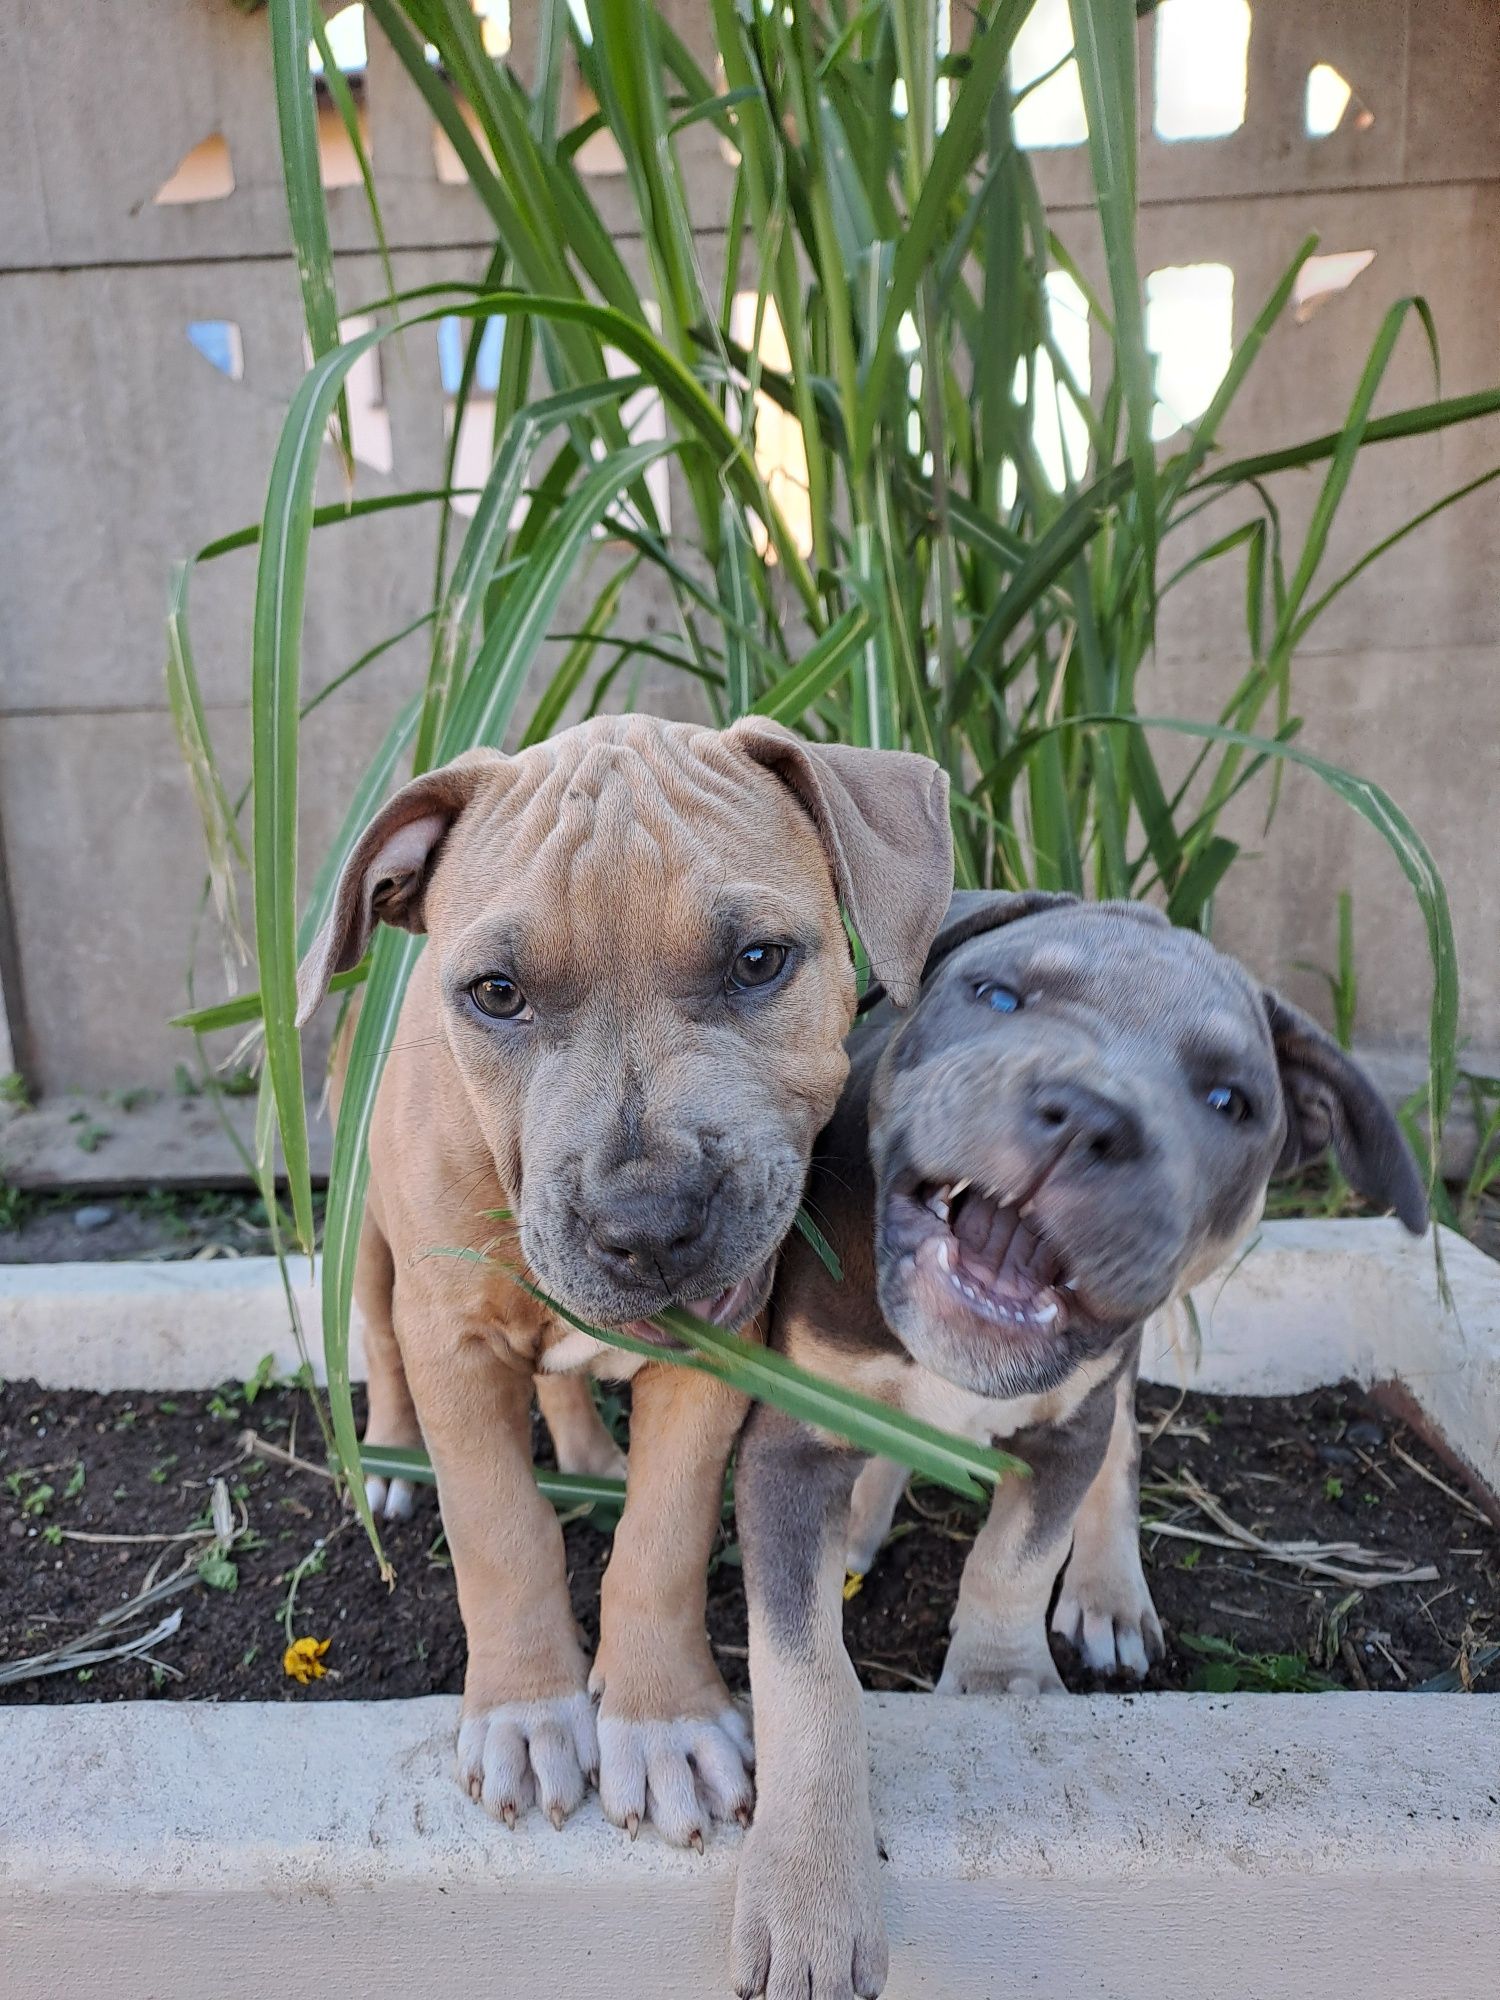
[
  {"x": 1104, "y": 1608},
  {"x": 579, "y": 1434},
  {"x": 877, "y": 1495},
  {"x": 392, "y": 1416}
]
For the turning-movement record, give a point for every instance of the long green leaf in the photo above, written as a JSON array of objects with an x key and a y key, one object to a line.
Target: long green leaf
[{"x": 307, "y": 209}]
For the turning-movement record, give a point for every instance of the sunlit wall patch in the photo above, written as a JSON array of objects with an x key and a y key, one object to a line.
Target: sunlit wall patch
[
  {"x": 1202, "y": 67},
  {"x": 1190, "y": 330},
  {"x": 218, "y": 341}
]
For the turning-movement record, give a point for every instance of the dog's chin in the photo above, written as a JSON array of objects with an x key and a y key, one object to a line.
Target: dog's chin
[
  {"x": 731, "y": 1306},
  {"x": 978, "y": 1292}
]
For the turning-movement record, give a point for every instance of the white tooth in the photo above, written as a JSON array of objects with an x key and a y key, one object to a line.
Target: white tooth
[
  {"x": 958, "y": 1187},
  {"x": 945, "y": 1253},
  {"x": 940, "y": 1210},
  {"x": 1046, "y": 1314}
]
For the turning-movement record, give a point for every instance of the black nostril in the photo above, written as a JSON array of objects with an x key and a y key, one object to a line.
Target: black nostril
[{"x": 1098, "y": 1128}]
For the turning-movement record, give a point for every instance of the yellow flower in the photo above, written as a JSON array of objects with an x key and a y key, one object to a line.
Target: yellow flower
[{"x": 303, "y": 1660}]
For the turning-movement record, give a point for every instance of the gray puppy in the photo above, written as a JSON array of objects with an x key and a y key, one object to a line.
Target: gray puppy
[{"x": 1075, "y": 1123}]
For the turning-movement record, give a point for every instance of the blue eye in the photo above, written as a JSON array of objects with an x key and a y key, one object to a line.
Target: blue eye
[
  {"x": 1228, "y": 1102},
  {"x": 1004, "y": 999}
]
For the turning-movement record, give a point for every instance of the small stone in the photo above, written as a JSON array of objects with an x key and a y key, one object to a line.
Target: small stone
[
  {"x": 93, "y": 1216},
  {"x": 1365, "y": 1431},
  {"x": 17, "y": 1530},
  {"x": 1336, "y": 1454}
]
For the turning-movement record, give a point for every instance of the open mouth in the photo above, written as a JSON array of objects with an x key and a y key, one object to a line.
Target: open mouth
[
  {"x": 729, "y": 1308},
  {"x": 986, "y": 1256}
]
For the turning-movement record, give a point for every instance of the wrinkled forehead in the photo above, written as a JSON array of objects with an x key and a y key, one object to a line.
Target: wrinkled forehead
[
  {"x": 1133, "y": 975},
  {"x": 660, "y": 846}
]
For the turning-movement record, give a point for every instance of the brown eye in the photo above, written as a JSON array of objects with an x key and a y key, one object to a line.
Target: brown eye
[
  {"x": 757, "y": 965},
  {"x": 499, "y": 998}
]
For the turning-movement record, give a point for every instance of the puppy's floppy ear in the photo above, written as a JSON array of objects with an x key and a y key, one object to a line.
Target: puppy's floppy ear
[
  {"x": 1330, "y": 1101},
  {"x": 388, "y": 869},
  {"x": 883, "y": 818}
]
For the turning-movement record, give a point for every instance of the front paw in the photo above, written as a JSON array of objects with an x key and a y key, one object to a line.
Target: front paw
[
  {"x": 807, "y": 1918},
  {"x": 1104, "y": 1611},
  {"x": 985, "y": 1661},
  {"x": 673, "y": 1748},
  {"x": 681, "y": 1774},
  {"x": 514, "y": 1753}
]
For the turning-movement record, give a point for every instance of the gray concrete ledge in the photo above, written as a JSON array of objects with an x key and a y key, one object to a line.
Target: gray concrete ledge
[{"x": 1165, "y": 1848}]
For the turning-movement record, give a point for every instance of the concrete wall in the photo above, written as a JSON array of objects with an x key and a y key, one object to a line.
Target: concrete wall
[{"x": 126, "y": 449}]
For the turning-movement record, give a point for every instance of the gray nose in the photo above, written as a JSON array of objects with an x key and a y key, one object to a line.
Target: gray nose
[
  {"x": 644, "y": 1234},
  {"x": 1066, "y": 1116}
]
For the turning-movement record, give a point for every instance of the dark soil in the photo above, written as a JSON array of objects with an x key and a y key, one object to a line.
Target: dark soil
[{"x": 1326, "y": 1466}]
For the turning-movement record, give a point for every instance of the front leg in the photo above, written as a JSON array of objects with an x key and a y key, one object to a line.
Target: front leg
[
  {"x": 672, "y": 1745},
  {"x": 999, "y": 1643},
  {"x": 1104, "y": 1608},
  {"x": 527, "y": 1730},
  {"x": 807, "y": 1918}
]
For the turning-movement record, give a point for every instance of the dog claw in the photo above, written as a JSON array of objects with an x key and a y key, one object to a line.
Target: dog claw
[
  {"x": 557, "y": 1816},
  {"x": 744, "y": 1815},
  {"x": 508, "y": 1814},
  {"x": 695, "y": 1840},
  {"x": 632, "y": 1824}
]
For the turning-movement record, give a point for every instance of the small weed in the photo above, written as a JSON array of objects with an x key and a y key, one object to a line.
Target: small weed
[
  {"x": 168, "y": 1409},
  {"x": 312, "y": 1564},
  {"x": 126, "y": 1420},
  {"x": 223, "y": 1406},
  {"x": 89, "y": 1137},
  {"x": 158, "y": 1676},
  {"x": 239, "y": 1083},
  {"x": 13, "y": 1091},
  {"x": 15, "y": 1205},
  {"x": 132, "y": 1100},
  {"x": 1213, "y": 1418},
  {"x": 1228, "y": 1670},
  {"x": 218, "y": 1572},
  {"x": 75, "y": 1483},
  {"x": 250, "y": 1655},
  {"x": 37, "y": 1500},
  {"x": 252, "y": 1386},
  {"x": 161, "y": 1472},
  {"x": 1190, "y": 1560},
  {"x": 85, "y": 1675},
  {"x": 185, "y": 1083},
  {"x": 52, "y": 1535},
  {"x": 1333, "y": 1487}
]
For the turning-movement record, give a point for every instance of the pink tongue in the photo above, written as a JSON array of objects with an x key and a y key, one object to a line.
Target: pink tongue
[{"x": 987, "y": 1233}]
